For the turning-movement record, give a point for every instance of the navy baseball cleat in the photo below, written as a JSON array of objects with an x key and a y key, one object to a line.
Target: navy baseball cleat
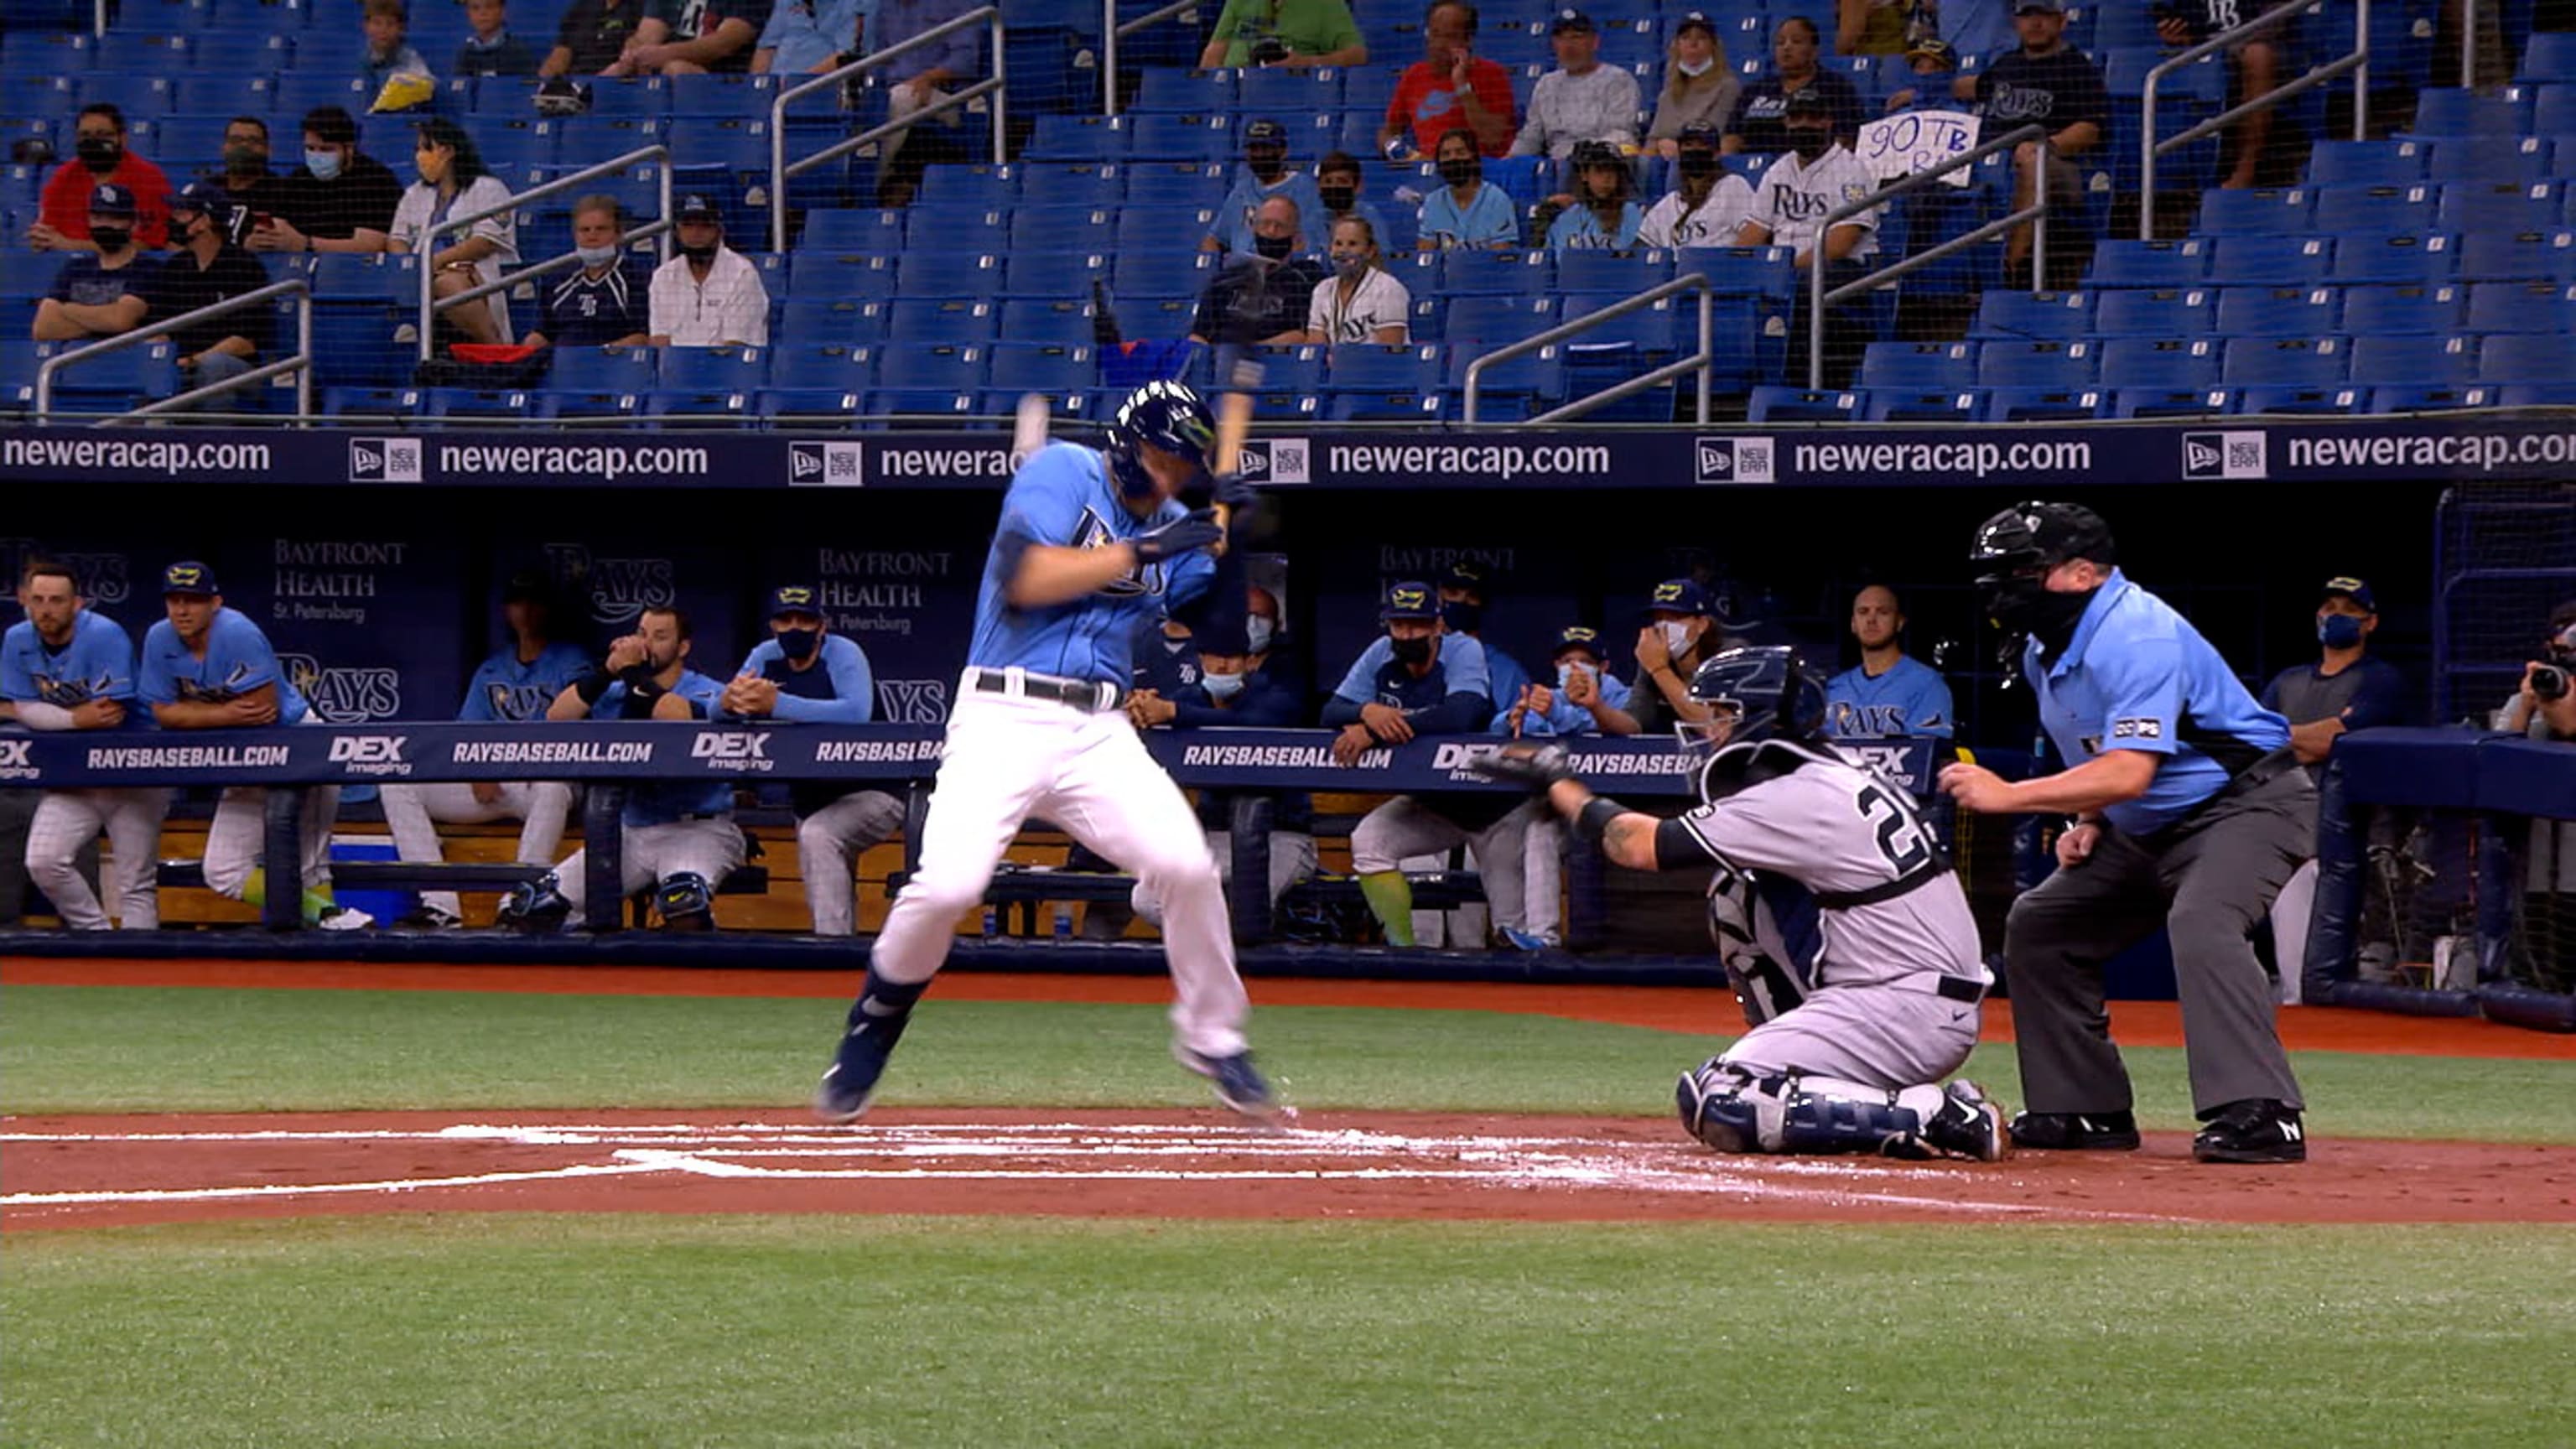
[
  {"x": 1239, "y": 1085},
  {"x": 876, "y": 1024},
  {"x": 2256, "y": 1130},
  {"x": 2076, "y": 1131}
]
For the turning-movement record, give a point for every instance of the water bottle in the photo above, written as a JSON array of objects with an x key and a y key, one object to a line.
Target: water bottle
[
  {"x": 992, "y": 923},
  {"x": 1062, "y": 927}
]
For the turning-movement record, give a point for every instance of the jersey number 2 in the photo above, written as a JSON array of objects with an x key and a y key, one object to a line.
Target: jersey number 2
[{"x": 1902, "y": 836}]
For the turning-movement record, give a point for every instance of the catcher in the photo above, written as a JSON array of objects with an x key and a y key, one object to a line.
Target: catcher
[{"x": 1837, "y": 917}]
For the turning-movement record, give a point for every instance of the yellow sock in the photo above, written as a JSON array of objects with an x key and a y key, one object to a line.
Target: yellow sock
[{"x": 1390, "y": 899}]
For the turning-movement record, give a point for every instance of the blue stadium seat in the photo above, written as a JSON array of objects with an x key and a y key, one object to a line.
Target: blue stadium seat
[
  {"x": 1302, "y": 368},
  {"x": 940, "y": 271},
  {"x": 745, "y": 95},
  {"x": 712, "y": 369},
  {"x": 1201, "y": 139},
  {"x": 2400, "y": 258},
  {"x": 1655, "y": 332},
  {"x": 738, "y": 407},
  {"x": 1048, "y": 229},
  {"x": 2050, "y": 316},
  {"x": 2277, "y": 311},
  {"x": 2469, "y": 207},
  {"x": 2385, "y": 400},
  {"x": 1367, "y": 368},
  {"x": 1764, "y": 272},
  {"x": 467, "y": 402},
  {"x": 31, "y": 51},
  {"x": 1164, "y": 183},
  {"x": 2534, "y": 356},
  {"x": 2170, "y": 402},
  {"x": 1492, "y": 321},
  {"x": 627, "y": 406},
  {"x": 2125, "y": 263},
  {"x": 1771, "y": 403},
  {"x": 1022, "y": 367},
  {"x": 839, "y": 276},
  {"x": 2413, "y": 360},
  {"x": 2509, "y": 256},
  {"x": 2255, "y": 213},
  {"x": 922, "y": 401},
  {"x": 1281, "y": 94},
  {"x": 302, "y": 90},
  {"x": 2325, "y": 399},
  {"x": 2410, "y": 206},
  {"x": 141, "y": 97},
  {"x": 2366, "y": 163},
  {"x": 2035, "y": 365},
  {"x": 359, "y": 276},
  {"x": 240, "y": 52},
  {"x": 2163, "y": 312},
  {"x": 2160, "y": 362},
  {"x": 2548, "y": 57},
  {"x": 2271, "y": 261},
  {"x": 851, "y": 231},
  {"x": 1428, "y": 321},
  {"x": 1384, "y": 407},
  {"x": 824, "y": 366},
  {"x": 2284, "y": 362},
  {"x": 189, "y": 145},
  {"x": 2045, "y": 404},
  {"x": 2510, "y": 160},
  {"x": 1512, "y": 390},
  {"x": 242, "y": 93},
  {"x": 2556, "y": 394},
  {"x": 1158, "y": 226},
  {"x": 144, "y": 53},
  {"x": 1072, "y": 185},
  {"x": 2554, "y": 113},
  {"x": 826, "y": 322},
  {"x": 945, "y": 320},
  {"x": 2403, "y": 310},
  {"x": 962, "y": 228},
  {"x": 1055, "y": 272},
  {"x": 1609, "y": 271},
  {"x": 772, "y": 403},
  {"x": 611, "y": 96},
  {"x": 2449, "y": 111},
  {"x": 1080, "y": 139},
  {"x": 953, "y": 185},
  {"x": 1163, "y": 272},
  {"x": 1175, "y": 91},
  {"x": 1148, "y": 319},
  {"x": 2521, "y": 307},
  {"x": 1467, "y": 271},
  {"x": 1917, "y": 405},
  {"x": 1055, "y": 321},
  {"x": 1930, "y": 366},
  {"x": 356, "y": 402}
]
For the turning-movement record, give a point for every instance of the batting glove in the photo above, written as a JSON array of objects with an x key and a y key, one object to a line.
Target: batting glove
[
  {"x": 1181, "y": 535},
  {"x": 1535, "y": 767}
]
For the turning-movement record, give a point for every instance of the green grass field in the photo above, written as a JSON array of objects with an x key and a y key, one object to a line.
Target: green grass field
[{"x": 505, "y": 1330}]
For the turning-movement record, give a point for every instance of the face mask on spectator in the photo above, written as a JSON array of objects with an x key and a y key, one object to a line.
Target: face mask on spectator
[
  {"x": 1810, "y": 141},
  {"x": 1565, "y": 672},
  {"x": 1695, "y": 68},
  {"x": 1350, "y": 264},
  {"x": 110, "y": 238},
  {"x": 705, "y": 253},
  {"x": 1460, "y": 171},
  {"x": 1411, "y": 651},
  {"x": 1338, "y": 198},
  {"x": 244, "y": 161},
  {"x": 1276, "y": 248},
  {"x": 596, "y": 256},
  {"x": 99, "y": 153},
  {"x": 325, "y": 165},
  {"x": 798, "y": 643},
  {"x": 1257, "y": 633},
  {"x": 1677, "y": 635},
  {"x": 1696, "y": 163},
  {"x": 2338, "y": 631},
  {"x": 1221, "y": 686}
]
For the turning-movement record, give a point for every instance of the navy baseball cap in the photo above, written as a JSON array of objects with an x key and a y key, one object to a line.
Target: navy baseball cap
[
  {"x": 2043, "y": 7},
  {"x": 2345, "y": 586},
  {"x": 1695, "y": 20},
  {"x": 188, "y": 576},
  {"x": 1265, "y": 133},
  {"x": 109, "y": 199},
  {"x": 1464, "y": 576},
  {"x": 1698, "y": 134},
  {"x": 1809, "y": 101},
  {"x": 199, "y": 196},
  {"x": 699, "y": 207},
  {"x": 1574, "y": 20},
  {"x": 1412, "y": 599},
  {"x": 1680, "y": 596},
  {"x": 1577, "y": 636},
  {"x": 528, "y": 584},
  {"x": 795, "y": 599}
]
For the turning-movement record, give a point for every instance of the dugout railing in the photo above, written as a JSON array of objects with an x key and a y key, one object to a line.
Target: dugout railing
[
  {"x": 2355, "y": 62},
  {"x": 431, "y": 305},
  {"x": 782, "y": 170},
  {"x": 300, "y": 364}
]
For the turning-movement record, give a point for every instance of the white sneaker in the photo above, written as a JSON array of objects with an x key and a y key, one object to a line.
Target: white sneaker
[{"x": 343, "y": 918}]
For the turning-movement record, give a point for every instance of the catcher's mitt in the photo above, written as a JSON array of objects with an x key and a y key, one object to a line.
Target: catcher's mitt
[{"x": 1533, "y": 767}]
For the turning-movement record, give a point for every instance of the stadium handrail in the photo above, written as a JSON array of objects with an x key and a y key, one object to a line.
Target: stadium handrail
[
  {"x": 780, "y": 169},
  {"x": 1111, "y": 30},
  {"x": 2355, "y": 60},
  {"x": 301, "y": 364},
  {"x": 430, "y": 306},
  {"x": 2036, "y": 214},
  {"x": 1700, "y": 361}
]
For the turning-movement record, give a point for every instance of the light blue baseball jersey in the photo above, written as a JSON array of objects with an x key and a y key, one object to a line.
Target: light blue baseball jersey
[
  {"x": 97, "y": 662},
  {"x": 659, "y": 802},
  {"x": 1911, "y": 698},
  {"x": 238, "y": 660},
  {"x": 508, "y": 690},
  {"x": 1504, "y": 677},
  {"x": 1233, "y": 228},
  {"x": 1064, "y": 497},
  {"x": 839, "y": 688},
  {"x": 1564, "y": 717},
  {"x": 1577, "y": 229},
  {"x": 1375, "y": 678},
  {"x": 1488, "y": 221},
  {"x": 2137, "y": 676}
]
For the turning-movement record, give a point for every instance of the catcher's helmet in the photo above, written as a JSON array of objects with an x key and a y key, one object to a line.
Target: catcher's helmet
[
  {"x": 1165, "y": 415},
  {"x": 1760, "y": 694}
]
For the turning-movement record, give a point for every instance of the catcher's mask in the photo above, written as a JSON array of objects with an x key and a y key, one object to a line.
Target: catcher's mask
[{"x": 1753, "y": 694}]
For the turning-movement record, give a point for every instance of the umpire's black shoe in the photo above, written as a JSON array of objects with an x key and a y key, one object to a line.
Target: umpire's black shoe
[
  {"x": 2255, "y": 1130},
  {"x": 2076, "y": 1131}
]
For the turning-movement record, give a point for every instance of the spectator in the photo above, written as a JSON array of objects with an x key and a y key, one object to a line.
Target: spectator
[
  {"x": 2344, "y": 689},
  {"x": 339, "y": 200},
  {"x": 65, "y": 667},
  {"x": 697, "y": 37},
  {"x": 1798, "y": 192},
  {"x": 453, "y": 182},
  {"x": 1605, "y": 216},
  {"x": 100, "y": 293},
  {"x": 492, "y": 50},
  {"x": 708, "y": 295},
  {"x": 1700, "y": 88},
  {"x": 1582, "y": 99},
  {"x": 1265, "y": 174},
  {"x": 1290, "y": 34},
  {"x": 246, "y": 177},
  {"x": 208, "y": 268},
  {"x": 1337, "y": 188},
  {"x": 1681, "y": 634},
  {"x": 514, "y": 686},
  {"x": 1706, "y": 207},
  {"x": 606, "y": 302},
  {"x": 389, "y": 54},
  {"x": 676, "y": 836},
  {"x": 593, "y": 36},
  {"x": 916, "y": 80},
  {"x": 207, "y": 667},
  {"x": 1262, "y": 297},
  {"x": 1450, "y": 88},
  {"x": 805, "y": 672},
  {"x": 2253, "y": 157},
  {"x": 1363, "y": 302},
  {"x": 803, "y": 39},
  {"x": 1935, "y": 66},
  {"x": 100, "y": 155},
  {"x": 1463, "y": 596},
  {"x": 1760, "y": 125},
  {"x": 2545, "y": 707},
  {"x": 1888, "y": 692},
  {"x": 2050, "y": 83},
  {"x": 1468, "y": 211},
  {"x": 1883, "y": 27},
  {"x": 1418, "y": 681}
]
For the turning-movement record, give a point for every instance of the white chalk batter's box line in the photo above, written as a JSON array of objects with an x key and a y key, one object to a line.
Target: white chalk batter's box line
[{"x": 1076, "y": 1152}]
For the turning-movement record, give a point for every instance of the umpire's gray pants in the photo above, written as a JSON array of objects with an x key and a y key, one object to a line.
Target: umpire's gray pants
[{"x": 2208, "y": 884}]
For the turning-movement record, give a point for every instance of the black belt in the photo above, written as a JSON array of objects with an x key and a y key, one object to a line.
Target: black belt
[
  {"x": 1091, "y": 695},
  {"x": 1960, "y": 988},
  {"x": 2253, "y": 777}
]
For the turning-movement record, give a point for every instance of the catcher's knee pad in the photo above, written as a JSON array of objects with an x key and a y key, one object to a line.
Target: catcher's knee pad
[
  {"x": 536, "y": 905},
  {"x": 1729, "y": 1108},
  {"x": 686, "y": 901}
]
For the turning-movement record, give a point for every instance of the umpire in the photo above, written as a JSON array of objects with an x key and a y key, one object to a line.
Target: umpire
[{"x": 2188, "y": 811}]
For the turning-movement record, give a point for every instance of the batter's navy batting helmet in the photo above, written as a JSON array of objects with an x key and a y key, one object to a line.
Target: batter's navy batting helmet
[{"x": 1165, "y": 415}]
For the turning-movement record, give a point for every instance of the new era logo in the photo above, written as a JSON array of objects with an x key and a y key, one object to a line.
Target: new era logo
[
  {"x": 823, "y": 465},
  {"x": 1274, "y": 460},
  {"x": 384, "y": 460},
  {"x": 2226, "y": 456},
  {"x": 1733, "y": 460}
]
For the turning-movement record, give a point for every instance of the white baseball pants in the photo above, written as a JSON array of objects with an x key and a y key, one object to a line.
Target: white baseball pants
[
  {"x": 410, "y": 809},
  {"x": 649, "y": 854},
  {"x": 67, "y": 820},
  {"x": 237, "y": 836},
  {"x": 828, "y": 843}
]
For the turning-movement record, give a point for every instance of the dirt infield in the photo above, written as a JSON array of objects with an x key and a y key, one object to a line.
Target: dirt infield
[{"x": 82, "y": 1172}]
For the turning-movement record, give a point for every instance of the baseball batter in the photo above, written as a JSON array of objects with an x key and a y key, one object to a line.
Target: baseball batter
[
  {"x": 1854, "y": 1027},
  {"x": 65, "y": 668},
  {"x": 207, "y": 667},
  {"x": 1091, "y": 543}
]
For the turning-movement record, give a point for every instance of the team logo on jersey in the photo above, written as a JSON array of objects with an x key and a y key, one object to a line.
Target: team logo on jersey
[
  {"x": 370, "y": 755},
  {"x": 2226, "y": 456},
  {"x": 1733, "y": 460},
  {"x": 340, "y": 695},
  {"x": 738, "y": 753},
  {"x": 824, "y": 465},
  {"x": 69, "y": 693},
  {"x": 384, "y": 460},
  {"x": 236, "y": 681},
  {"x": 1094, "y": 532},
  {"x": 516, "y": 702},
  {"x": 14, "y": 764},
  {"x": 1867, "y": 719}
]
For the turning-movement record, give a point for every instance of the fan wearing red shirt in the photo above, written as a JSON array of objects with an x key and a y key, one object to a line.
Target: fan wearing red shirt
[
  {"x": 62, "y": 215},
  {"x": 1450, "y": 86}
]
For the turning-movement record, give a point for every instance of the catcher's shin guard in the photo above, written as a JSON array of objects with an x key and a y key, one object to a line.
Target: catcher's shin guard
[{"x": 687, "y": 902}]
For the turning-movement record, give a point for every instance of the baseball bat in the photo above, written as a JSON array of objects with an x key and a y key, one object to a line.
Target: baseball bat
[
  {"x": 1233, "y": 424},
  {"x": 1028, "y": 428}
]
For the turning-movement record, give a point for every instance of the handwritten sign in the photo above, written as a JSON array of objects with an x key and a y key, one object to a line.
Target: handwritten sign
[{"x": 1912, "y": 141}]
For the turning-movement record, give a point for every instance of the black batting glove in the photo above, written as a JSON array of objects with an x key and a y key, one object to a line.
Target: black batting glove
[
  {"x": 1195, "y": 531},
  {"x": 1535, "y": 768}
]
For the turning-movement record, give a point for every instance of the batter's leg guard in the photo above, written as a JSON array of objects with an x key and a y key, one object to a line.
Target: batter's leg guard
[
  {"x": 687, "y": 902},
  {"x": 876, "y": 1023},
  {"x": 534, "y": 906}
]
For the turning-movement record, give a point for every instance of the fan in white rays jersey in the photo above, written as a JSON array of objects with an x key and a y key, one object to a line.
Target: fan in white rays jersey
[
  {"x": 1092, "y": 542},
  {"x": 65, "y": 668},
  {"x": 1851, "y": 1039},
  {"x": 1706, "y": 207}
]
